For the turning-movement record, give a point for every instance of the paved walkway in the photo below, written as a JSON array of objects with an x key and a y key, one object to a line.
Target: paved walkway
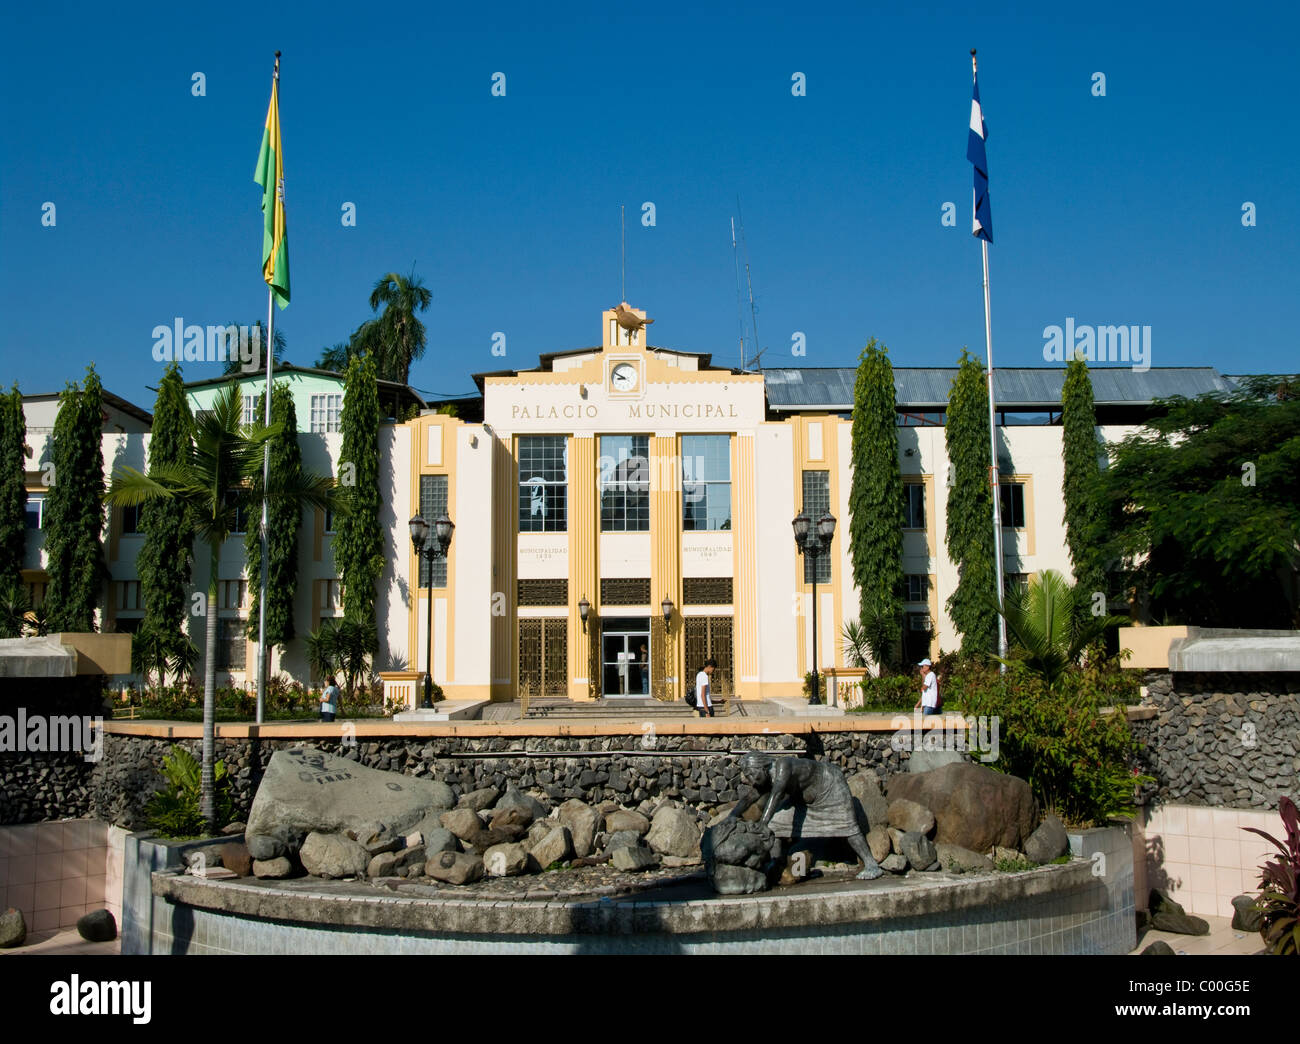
[
  {"x": 65, "y": 942},
  {"x": 1223, "y": 939}
]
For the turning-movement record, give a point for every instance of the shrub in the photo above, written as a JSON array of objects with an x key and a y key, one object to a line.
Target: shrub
[
  {"x": 1078, "y": 760},
  {"x": 891, "y": 692},
  {"x": 174, "y": 810},
  {"x": 1279, "y": 901}
]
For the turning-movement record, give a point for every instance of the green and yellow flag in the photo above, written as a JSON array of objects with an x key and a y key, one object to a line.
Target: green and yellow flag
[{"x": 270, "y": 175}]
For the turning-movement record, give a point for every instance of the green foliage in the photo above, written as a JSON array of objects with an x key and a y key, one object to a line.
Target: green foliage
[
  {"x": 1052, "y": 624},
  {"x": 15, "y": 605},
  {"x": 1078, "y": 758},
  {"x": 853, "y": 641},
  {"x": 174, "y": 810},
  {"x": 165, "y": 559},
  {"x": 359, "y": 538},
  {"x": 1081, "y": 450},
  {"x": 342, "y": 647},
  {"x": 1204, "y": 508},
  {"x": 890, "y": 692},
  {"x": 876, "y": 504},
  {"x": 235, "y": 366},
  {"x": 75, "y": 510},
  {"x": 284, "y": 518},
  {"x": 808, "y": 677},
  {"x": 1013, "y": 866},
  {"x": 1279, "y": 902},
  {"x": 13, "y": 506},
  {"x": 970, "y": 510}
]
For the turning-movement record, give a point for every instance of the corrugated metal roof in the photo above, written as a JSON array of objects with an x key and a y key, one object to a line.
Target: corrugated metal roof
[{"x": 832, "y": 387}]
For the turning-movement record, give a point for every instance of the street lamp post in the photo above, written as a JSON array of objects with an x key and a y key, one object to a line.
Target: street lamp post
[
  {"x": 430, "y": 543},
  {"x": 814, "y": 542}
]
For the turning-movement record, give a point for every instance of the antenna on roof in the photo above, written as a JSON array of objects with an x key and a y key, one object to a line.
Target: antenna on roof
[
  {"x": 740, "y": 320},
  {"x": 753, "y": 309},
  {"x": 622, "y": 225}
]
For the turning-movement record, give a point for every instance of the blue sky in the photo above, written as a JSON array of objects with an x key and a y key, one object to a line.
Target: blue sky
[{"x": 1122, "y": 209}]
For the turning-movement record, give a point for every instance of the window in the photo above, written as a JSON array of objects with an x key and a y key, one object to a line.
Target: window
[
  {"x": 817, "y": 502},
  {"x": 917, "y": 587},
  {"x": 331, "y": 596},
  {"x": 250, "y": 416},
  {"x": 918, "y": 621},
  {"x": 543, "y": 483},
  {"x": 1015, "y": 583},
  {"x": 329, "y": 520},
  {"x": 325, "y": 412},
  {"x": 131, "y": 519},
  {"x": 230, "y": 645},
  {"x": 232, "y": 594},
  {"x": 35, "y": 511},
  {"x": 433, "y": 504},
  {"x": 243, "y": 512},
  {"x": 914, "y": 507},
  {"x": 624, "y": 483},
  {"x": 706, "y": 482},
  {"x": 1012, "y": 496},
  {"x": 128, "y": 595}
]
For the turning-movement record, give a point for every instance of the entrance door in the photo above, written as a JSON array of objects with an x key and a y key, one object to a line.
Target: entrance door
[{"x": 625, "y": 656}]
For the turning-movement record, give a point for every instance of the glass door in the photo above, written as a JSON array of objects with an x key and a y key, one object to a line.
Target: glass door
[{"x": 625, "y": 656}]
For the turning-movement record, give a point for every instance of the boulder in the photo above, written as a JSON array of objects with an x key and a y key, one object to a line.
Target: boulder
[
  {"x": 728, "y": 879},
  {"x": 454, "y": 868},
  {"x": 201, "y": 856},
  {"x": 869, "y": 802},
  {"x": 674, "y": 832},
  {"x": 622, "y": 839},
  {"x": 13, "y": 928},
  {"x": 384, "y": 842},
  {"x": 413, "y": 869},
  {"x": 382, "y": 865},
  {"x": 928, "y": 760},
  {"x": 918, "y": 850},
  {"x": 879, "y": 843},
  {"x": 1245, "y": 918},
  {"x": 97, "y": 926},
  {"x": 1167, "y": 916},
  {"x": 265, "y": 848},
  {"x": 277, "y": 867},
  {"x": 958, "y": 860},
  {"x": 1048, "y": 842},
  {"x": 555, "y": 847},
  {"x": 895, "y": 840},
  {"x": 736, "y": 854},
  {"x": 440, "y": 839},
  {"x": 231, "y": 829},
  {"x": 464, "y": 823},
  {"x": 307, "y": 791},
  {"x": 516, "y": 798},
  {"x": 583, "y": 821},
  {"x": 332, "y": 856},
  {"x": 410, "y": 856},
  {"x": 1000, "y": 853},
  {"x": 973, "y": 806},
  {"x": 630, "y": 858},
  {"x": 236, "y": 858},
  {"x": 478, "y": 800},
  {"x": 625, "y": 819},
  {"x": 895, "y": 864},
  {"x": 506, "y": 860},
  {"x": 538, "y": 831},
  {"x": 1160, "y": 948},
  {"x": 911, "y": 816},
  {"x": 513, "y": 819}
]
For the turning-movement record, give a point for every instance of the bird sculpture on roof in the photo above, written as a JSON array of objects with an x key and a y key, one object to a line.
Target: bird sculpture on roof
[{"x": 629, "y": 320}]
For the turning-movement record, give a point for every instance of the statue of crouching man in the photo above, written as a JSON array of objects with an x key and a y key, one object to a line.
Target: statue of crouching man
[{"x": 807, "y": 799}]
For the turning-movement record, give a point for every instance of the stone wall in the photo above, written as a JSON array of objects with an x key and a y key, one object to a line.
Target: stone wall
[{"x": 1230, "y": 740}]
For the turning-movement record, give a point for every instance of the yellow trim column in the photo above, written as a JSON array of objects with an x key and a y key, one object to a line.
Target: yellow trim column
[
  {"x": 666, "y": 545},
  {"x": 584, "y": 543},
  {"x": 505, "y": 542}
]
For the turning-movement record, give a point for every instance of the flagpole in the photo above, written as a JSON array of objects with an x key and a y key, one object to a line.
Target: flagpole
[
  {"x": 993, "y": 443},
  {"x": 266, "y": 480}
]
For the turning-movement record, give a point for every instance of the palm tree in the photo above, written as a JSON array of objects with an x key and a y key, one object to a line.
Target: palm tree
[
  {"x": 397, "y": 337},
  {"x": 215, "y": 482},
  {"x": 235, "y": 366},
  {"x": 1053, "y": 622}
]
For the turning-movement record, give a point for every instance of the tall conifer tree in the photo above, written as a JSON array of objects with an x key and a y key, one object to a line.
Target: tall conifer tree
[
  {"x": 876, "y": 502},
  {"x": 75, "y": 520},
  {"x": 359, "y": 541},
  {"x": 1083, "y": 506},
  {"x": 283, "y": 521},
  {"x": 973, "y": 605},
  {"x": 13, "y": 507}
]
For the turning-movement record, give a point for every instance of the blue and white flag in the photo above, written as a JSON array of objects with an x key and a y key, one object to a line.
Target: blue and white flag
[{"x": 982, "y": 216}]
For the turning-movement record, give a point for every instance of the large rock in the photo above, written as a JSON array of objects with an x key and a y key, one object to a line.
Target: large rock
[
  {"x": 1159, "y": 948},
  {"x": 918, "y": 850},
  {"x": 727, "y": 879},
  {"x": 973, "y": 806},
  {"x": 265, "y": 848},
  {"x": 869, "y": 801},
  {"x": 516, "y": 798},
  {"x": 478, "y": 800},
  {"x": 13, "y": 928},
  {"x": 464, "y": 823},
  {"x": 440, "y": 839},
  {"x": 308, "y": 791},
  {"x": 910, "y": 816},
  {"x": 97, "y": 926},
  {"x": 454, "y": 868},
  {"x": 236, "y": 858},
  {"x": 506, "y": 860},
  {"x": 1168, "y": 916},
  {"x": 626, "y": 819},
  {"x": 737, "y": 842},
  {"x": 512, "y": 819},
  {"x": 555, "y": 847},
  {"x": 1245, "y": 918},
  {"x": 622, "y": 839},
  {"x": 332, "y": 856},
  {"x": 879, "y": 843},
  {"x": 894, "y": 863},
  {"x": 634, "y": 858},
  {"x": 273, "y": 868},
  {"x": 958, "y": 860},
  {"x": 928, "y": 760},
  {"x": 674, "y": 832},
  {"x": 1048, "y": 842},
  {"x": 583, "y": 821},
  {"x": 382, "y": 865}
]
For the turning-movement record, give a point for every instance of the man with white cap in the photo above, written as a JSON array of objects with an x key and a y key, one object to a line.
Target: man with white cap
[{"x": 929, "y": 703}]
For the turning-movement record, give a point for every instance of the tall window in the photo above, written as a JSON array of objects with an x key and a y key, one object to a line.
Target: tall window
[
  {"x": 624, "y": 483},
  {"x": 35, "y": 510},
  {"x": 914, "y": 506},
  {"x": 816, "y": 502},
  {"x": 706, "y": 482},
  {"x": 543, "y": 483},
  {"x": 325, "y": 412},
  {"x": 1013, "y": 504},
  {"x": 131, "y": 519},
  {"x": 433, "y": 504},
  {"x": 230, "y": 645},
  {"x": 917, "y": 587},
  {"x": 250, "y": 411}
]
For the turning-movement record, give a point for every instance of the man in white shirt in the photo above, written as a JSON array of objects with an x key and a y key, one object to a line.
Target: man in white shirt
[
  {"x": 929, "y": 703},
  {"x": 703, "y": 701}
]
